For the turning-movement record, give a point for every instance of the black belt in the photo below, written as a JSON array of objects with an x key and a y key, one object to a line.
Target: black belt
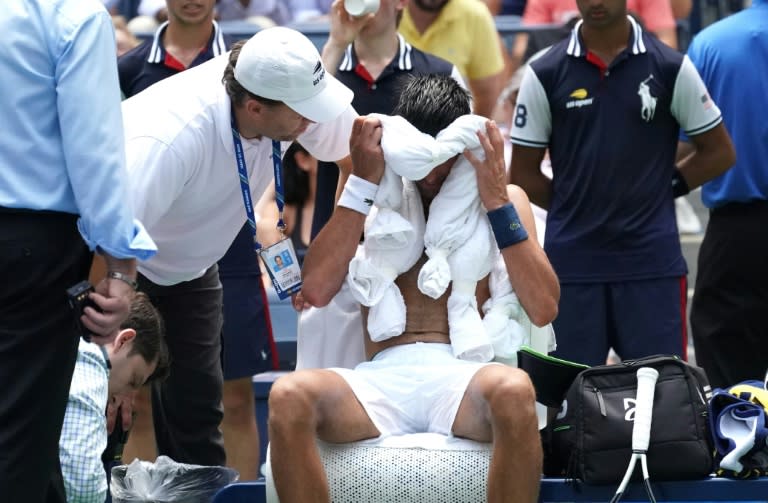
[{"x": 27, "y": 211}]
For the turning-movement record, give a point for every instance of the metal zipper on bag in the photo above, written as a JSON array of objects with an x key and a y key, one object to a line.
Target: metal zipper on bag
[{"x": 600, "y": 401}]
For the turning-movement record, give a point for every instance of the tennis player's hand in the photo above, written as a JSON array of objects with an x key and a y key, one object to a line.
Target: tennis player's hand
[
  {"x": 365, "y": 149},
  {"x": 298, "y": 302},
  {"x": 490, "y": 172}
]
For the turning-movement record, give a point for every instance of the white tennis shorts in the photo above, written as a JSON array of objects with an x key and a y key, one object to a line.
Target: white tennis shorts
[{"x": 412, "y": 388}]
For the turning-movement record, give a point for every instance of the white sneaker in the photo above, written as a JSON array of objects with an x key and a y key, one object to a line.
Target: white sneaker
[{"x": 687, "y": 221}]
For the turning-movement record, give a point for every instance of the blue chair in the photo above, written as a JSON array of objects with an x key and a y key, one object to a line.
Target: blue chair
[{"x": 242, "y": 492}]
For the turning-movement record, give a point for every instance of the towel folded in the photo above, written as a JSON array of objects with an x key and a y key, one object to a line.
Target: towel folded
[{"x": 739, "y": 423}]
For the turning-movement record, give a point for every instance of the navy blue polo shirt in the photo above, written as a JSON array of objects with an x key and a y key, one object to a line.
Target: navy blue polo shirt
[
  {"x": 372, "y": 96},
  {"x": 149, "y": 62},
  {"x": 612, "y": 136}
]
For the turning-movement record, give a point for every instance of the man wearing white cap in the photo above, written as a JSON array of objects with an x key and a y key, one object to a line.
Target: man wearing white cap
[{"x": 199, "y": 149}]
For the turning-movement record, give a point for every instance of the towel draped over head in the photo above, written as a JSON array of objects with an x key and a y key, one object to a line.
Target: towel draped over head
[{"x": 456, "y": 237}]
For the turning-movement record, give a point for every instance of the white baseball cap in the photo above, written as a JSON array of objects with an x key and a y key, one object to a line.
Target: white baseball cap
[{"x": 282, "y": 64}]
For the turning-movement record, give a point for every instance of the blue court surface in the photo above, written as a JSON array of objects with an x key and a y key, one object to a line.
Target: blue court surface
[{"x": 557, "y": 490}]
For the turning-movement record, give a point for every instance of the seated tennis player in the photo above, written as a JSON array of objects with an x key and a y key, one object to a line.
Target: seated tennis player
[{"x": 412, "y": 383}]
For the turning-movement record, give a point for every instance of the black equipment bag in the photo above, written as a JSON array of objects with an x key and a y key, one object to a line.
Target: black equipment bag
[{"x": 591, "y": 438}]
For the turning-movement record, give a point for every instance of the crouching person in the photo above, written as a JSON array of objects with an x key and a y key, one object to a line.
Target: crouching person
[
  {"x": 412, "y": 382},
  {"x": 137, "y": 355}
]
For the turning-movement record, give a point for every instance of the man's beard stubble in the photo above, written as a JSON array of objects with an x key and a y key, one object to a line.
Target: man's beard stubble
[{"x": 430, "y": 5}]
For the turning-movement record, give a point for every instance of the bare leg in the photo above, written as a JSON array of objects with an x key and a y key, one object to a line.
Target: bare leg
[
  {"x": 141, "y": 441},
  {"x": 498, "y": 406},
  {"x": 305, "y": 405},
  {"x": 241, "y": 435}
]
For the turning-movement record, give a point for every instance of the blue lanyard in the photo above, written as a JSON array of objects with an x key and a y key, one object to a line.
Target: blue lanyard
[{"x": 245, "y": 187}]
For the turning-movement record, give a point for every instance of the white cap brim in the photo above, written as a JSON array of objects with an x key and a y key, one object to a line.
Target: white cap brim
[{"x": 325, "y": 105}]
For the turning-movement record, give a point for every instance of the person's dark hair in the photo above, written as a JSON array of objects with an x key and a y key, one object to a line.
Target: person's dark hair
[
  {"x": 237, "y": 93},
  {"x": 295, "y": 179},
  {"x": 149, "y": 342},
  {"x": 432, "y": 102}
]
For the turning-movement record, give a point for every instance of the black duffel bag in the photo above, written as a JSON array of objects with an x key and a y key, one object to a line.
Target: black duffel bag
[{"x": 591, "y": 437}]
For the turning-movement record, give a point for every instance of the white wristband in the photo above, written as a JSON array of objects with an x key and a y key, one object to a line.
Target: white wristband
[{"x": 358, "y": 194}]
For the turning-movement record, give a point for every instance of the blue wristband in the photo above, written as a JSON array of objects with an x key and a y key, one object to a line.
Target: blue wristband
[{"x": 506, "y": 226}]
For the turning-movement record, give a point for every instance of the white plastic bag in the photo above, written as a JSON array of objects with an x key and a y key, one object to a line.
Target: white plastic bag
[{"x": 166, "y": 481}]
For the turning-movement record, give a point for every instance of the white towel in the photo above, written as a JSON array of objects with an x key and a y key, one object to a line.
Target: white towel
[
  {"x": 741, "y": 431},
  {"x": 393, "y": 243},
  {"x": 455, "y": 214},
  {"x": 470, "y": 263},
  {"x": 506, "y": 322},
  {"x": 456, "y": 210},
  {"x": 463, "y": 319},
  {"x": 412, "y": 154},
  {"x": 502, "y": 311}
]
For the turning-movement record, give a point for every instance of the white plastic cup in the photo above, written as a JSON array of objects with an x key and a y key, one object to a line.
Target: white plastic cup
[{"x": 359, "y": 8}]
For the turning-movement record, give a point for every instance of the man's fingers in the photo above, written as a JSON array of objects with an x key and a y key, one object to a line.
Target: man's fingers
[
  {"x": 372, "y": 127},
  {"x": 112, "y": 311},
  {"x": 126, "y": 411},
  {"x": 111, "y": 415},
  {"x": 357, "y": 126},
  {"x": 472, "y": 158},
  {"x": 496, "y": 138},
  {"x": 494, "y": 133},
  {"x": 366, "y": 131}
]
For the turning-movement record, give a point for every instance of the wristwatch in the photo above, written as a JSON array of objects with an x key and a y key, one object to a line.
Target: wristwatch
[{"x": 123, "y": 277}]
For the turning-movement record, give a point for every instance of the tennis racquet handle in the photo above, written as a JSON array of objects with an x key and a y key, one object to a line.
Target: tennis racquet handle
[{"x": 646, "y": 385}]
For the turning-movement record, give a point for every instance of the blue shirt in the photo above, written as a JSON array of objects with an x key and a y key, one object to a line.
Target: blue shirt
[
  {"x": 725, "y": 53},
  {"x": 62, "y": 147},
  {"x": 612, "y": 136},
  {"x": 84, "y": 434}
]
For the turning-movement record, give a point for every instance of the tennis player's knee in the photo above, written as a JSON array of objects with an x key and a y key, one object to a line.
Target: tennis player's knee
[
  {"x": 511, "y": 397},
  {"x": 292, "y": 404}
]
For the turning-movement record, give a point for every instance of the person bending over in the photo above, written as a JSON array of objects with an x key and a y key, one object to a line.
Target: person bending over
[{"x": 137, "y": 355}]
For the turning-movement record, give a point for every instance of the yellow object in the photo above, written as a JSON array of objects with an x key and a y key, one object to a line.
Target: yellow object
[
  {"x": 579, "y": 94},
  {"x": 464, "y": 34},
  {"x": 750, "y": 393}
]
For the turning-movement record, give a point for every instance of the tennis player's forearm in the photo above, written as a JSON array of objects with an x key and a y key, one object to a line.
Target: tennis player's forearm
[{"x": 327, "y": 261}]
